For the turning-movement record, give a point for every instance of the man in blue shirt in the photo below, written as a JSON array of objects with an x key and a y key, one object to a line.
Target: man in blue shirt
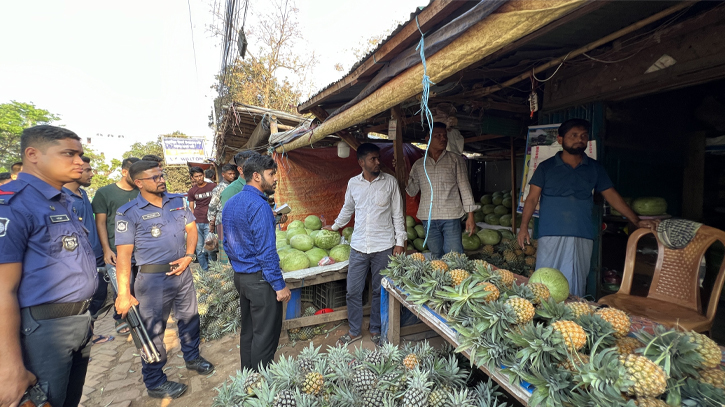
[
  {"x": 249, "y": 240},
  {"x": 163, "y": 232},
  {"x": 84, "y": 211},
  {"x": 563, "y": 186},
  {"x": 47, "y": 273}
]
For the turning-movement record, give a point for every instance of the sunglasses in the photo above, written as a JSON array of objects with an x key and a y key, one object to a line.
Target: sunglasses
[{"x": 155, "y": 178}]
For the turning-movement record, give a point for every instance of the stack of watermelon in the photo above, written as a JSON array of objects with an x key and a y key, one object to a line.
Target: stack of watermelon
[
  {"x": 416, "y": 235},
  {"x": 496, "y": 209},
  {"x": 304, "y": 244}
]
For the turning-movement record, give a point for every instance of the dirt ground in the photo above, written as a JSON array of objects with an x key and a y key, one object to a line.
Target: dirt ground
[{"x": 114, "y": 373}]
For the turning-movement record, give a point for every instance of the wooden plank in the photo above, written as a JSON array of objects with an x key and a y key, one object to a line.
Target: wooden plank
[
  {"x": 400, "y": 166},
  {"x": 314, "y": 280},
  {"x": 513, "y": 187},
  {"x": 414, "y": 329},
  {"x": 349, "y": 139},
  {"x": 482, "y": 137},
  {"x": 451, "y": 336},
  {"x": 320, "y": 319},
  {"x": 393, "y": 318},
  {"x": 433, "y": 14}
]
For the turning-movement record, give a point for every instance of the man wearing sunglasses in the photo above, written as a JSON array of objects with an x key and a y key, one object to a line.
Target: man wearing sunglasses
[{"x": 163, "y": 232}]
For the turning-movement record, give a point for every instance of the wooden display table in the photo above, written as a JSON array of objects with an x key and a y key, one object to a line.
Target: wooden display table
[{"x": 391, "y": 298}]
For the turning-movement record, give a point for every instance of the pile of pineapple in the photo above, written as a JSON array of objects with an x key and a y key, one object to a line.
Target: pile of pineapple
[
  {"x": 509, "y": 255},
  {"x": 572, "y": 353},
  {"x": 414, "y": 376},
  {"x": 308, "y": 332},
  {"x": 218, "y": 299}
]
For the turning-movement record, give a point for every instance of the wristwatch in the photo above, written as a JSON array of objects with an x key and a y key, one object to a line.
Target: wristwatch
[{"x": 192, "y": 256}]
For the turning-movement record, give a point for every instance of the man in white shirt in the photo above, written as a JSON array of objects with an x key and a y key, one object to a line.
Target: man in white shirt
[{"x": 374, "y": 198}]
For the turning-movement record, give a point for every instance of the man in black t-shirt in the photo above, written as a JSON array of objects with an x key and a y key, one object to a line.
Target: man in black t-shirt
[{"x": 199, "y": 198}]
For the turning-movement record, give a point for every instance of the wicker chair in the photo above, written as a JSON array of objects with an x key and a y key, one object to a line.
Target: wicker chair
[{"x": 674, "y": 296}]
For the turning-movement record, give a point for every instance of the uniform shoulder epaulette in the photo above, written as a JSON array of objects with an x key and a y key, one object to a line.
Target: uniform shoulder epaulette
[
  {"x": 10, "y": 191},
  {"x": 171, "y": 196},
  {"x": 124, "y": 208}
]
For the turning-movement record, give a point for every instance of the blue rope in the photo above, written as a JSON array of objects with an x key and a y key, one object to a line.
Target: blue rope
[{"x": 428, "y": 115}]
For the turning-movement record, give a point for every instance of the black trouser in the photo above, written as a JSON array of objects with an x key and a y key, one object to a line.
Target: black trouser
[
  {"x": 261, "y": 320},
  {"x": 57, "y": 352}
]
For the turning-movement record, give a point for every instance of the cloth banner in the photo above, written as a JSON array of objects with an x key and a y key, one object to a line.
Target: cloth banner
[{"x": 182, "y": 150}]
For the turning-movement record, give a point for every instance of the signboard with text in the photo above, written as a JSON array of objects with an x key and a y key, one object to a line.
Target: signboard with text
[{"x": 182, "y": 150}]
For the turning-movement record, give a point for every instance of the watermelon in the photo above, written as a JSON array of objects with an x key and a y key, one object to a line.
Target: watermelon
[
  {"x": 409, "y": 221},
  {"x": 488, "y": 209},
  {"x": 505, "y": 220},
  {"x": 486, "y": 199},
  {"x": 314, "y": 233},
  {"x": 315, "y": 255},
  {"x": 554, "y": 280},
  {"x": 294, "y": 232},
  {"x": 347, "y": 233},
  {"x": 478, "y": 216},
  {"x": 470, "y": 242},
  {"x": 506, "y": 233},
  {"x": 410, "y": 247},
  {"x": 412, "y": 234},
  {"x": 497, "y": 200},
  {"x": 492, "y": 219},
  {"x": 506, "y": 192},
  {"x": 489, "y": 236},
  {"x": 327, "y": 239},
  {"x": 340, "y": 252},
  {"x": 295, "y": 224},
  {"x": 313, "y": 222},
  {"x": 507, "y": 202},
  {"x": 420, "y": 230},
  {"x": 294, "y": 260},
  {"x": 302, "y": 242},
  {"x": 495, "y": 194},
  {"x": 418, "y": 244},
  {"x": 281, "y": 234},
  {"x": 500, "y": 210},
  {"x": 650, "y": 206},
  {"x": 281, "y": 243}
]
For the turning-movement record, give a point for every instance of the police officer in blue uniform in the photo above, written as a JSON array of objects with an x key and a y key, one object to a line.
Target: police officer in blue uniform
[
  {"x": 47, "y": 273},
  {"x": 163, "y": 232}
]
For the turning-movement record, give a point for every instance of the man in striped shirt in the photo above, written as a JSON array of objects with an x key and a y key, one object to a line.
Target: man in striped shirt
[{"x": 451, "y": 194}]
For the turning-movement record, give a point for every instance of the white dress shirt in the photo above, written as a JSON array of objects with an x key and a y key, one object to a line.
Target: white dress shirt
[{"x": 378, "y": 209}]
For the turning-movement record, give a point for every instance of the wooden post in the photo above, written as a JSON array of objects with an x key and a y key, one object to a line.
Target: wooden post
[
  {"x": 514, "y": 201},
  {"x": 273, "y": 125},
  {"x": 400, "y": 165}
]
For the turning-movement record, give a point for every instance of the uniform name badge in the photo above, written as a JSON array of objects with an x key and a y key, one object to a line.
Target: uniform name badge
[
  {"x": 70, "y": 243},
  {"x": 4, "y": 226},
  {"x": 155, "y": 231}
]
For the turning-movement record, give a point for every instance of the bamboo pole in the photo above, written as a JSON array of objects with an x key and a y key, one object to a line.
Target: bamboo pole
[
  {"x": 483, "y": 39},
  {"x": 596, "y": 44},
  {"x": 513, "y": 187}
]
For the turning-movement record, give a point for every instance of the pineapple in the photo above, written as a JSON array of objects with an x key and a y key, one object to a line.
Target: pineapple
[
  {"x": 573, "y": 334},
  {"x": 493, "y": 292},
  {"x": 627, "y": 345},
  {"x": 507, "y": 277},
  {"x": 411, "y": 361},
  {"x": 649, "y": 379},
  {"x": 707, "y": 348},
  {"x": 439, "y": 265},
  {"x": 530, "y": 261},
  {"x": 650, "y": 402},
  {"x": 363, "y": 379},
  {"x": 308, "y": 357},
  {"x": 579, "y": 308},
  {"x": 447, "y": 376},
  {"x": 487, "y": 250},
  {"x": 575, "y": 362},
  {"x": 619, "y": 320},
  {"x": 524, "y": 309},
  {"x": 373, "y": 398},
  {"x": 509, "y": 256},
  {"x": 254, "y": 381},
  {"x": 313, "y": 383},
  {"x": 285, "y": 398},
  {"x": 458, "y": 275},
  {"x": 417, "y": 256},
  {"x": 714, "y": 377},
  {"x": 541, "y": 292},
  {"x": 529, "y": 250},
  {"x": 458, "y": 261},
  {"x": 418, "y": 390}
]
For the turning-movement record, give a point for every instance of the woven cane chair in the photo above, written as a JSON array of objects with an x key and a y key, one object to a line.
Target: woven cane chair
[{"x": 674, "y": 297}]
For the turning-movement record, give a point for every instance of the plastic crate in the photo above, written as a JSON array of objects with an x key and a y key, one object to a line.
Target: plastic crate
[
  {"x": 330, "y": 295},
  {"x": 307, "y": 293}
]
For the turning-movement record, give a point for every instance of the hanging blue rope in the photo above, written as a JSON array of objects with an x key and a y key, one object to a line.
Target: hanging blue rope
[{"x": 426, "y": 116}]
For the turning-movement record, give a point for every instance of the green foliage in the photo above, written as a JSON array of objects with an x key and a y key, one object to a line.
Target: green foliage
[
  {"x": 14, "y": 117},
  {"x": 177, "y": 177},
  {"x": 105, "y": 173}
]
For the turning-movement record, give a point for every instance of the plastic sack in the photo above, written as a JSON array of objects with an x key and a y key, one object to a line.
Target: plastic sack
[
  {"x": 211, "y": 243},
  {"x": 325, "y": 261}
]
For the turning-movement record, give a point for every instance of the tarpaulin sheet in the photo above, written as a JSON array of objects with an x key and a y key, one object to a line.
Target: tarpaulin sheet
[{"x": 313, "y": 181}]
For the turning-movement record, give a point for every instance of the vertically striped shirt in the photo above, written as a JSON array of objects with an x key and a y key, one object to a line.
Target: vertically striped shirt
[{"x": 452, "y": 196}]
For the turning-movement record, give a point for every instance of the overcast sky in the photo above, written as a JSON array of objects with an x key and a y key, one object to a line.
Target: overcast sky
[{"x": 127, "y": 68}]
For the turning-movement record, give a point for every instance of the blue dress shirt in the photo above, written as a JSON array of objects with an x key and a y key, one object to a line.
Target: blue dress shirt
[
  {"x": 566, "y": 196},
  {"x": 158, "y": 234},
  {"x": 38, "y": 229},
  {"x": 83, "y": 209},
  {"x": 249, "y": 239}
]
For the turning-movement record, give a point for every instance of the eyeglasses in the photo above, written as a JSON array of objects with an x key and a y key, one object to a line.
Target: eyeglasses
[{"x": 155, "y": 178}]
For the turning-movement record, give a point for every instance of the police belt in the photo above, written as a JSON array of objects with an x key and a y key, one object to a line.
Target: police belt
[
  {"x": 154, "y": 268},
  {"x": 59, "y": 310}
]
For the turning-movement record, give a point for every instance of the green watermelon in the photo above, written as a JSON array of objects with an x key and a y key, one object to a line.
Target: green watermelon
[
  {"x": 486, "y": 199},
  {"x": 492, "y": 219},
  {"x": 340, "y": 252},
  {"x": 409, "y": 221},
  {"x": 470, "y": 242},
  {"x": 505, "y": 220},
  {"x": 418, "y": 244},
  {"x": 314, "y": 233},
  {"x": 495, "y": 194},
  {"x": 412, "y": 234},
  {"x": 347, "y": 233},
  {"x": 281, "y": 243},
  {"x": 410, "y": 247},
  {"x": 507, "y": 202},
  {"x": 294, "y": 232},
  {"x": 489, "y": 236},
  {"x": 302, "y": 242},
  {"x": 650, "y": 206},
  {"x": 501, "y": 210},
  {"x": 554, "y": 280},
  {"x": 478, "y": 216},
  {"x": 497, "y": 200},
  {"x": 327, "y": 239},
  {"x": 488, "y": 209},
  {"x": 295, "y": 260},
  {"x": 315, "y": 255},
  {"x": 295, "y": 224},
  {"x": 506, "y": 233},
  {"x": 313, "y": 222},
  {"x": 420, "y": 230},
  {"x": 281, "y": 234}
]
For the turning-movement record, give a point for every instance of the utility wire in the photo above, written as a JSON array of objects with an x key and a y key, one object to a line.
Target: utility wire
[{"x": 193, "y": 46}]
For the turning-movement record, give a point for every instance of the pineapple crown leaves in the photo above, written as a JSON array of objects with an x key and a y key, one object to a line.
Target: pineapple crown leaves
[
  {"x": 553, "y": 311},
  {"x": 597, "y": 330},
  {"x": 698, "y": 394},
  {"x": 285, "y": 373},
  {"x": 672, "y": 350},
  {"x": 232, "y": 392},
  {"x": 446, "y": 372},
  {"x": 466, "y": 296},
  {"x": 539, "y": 345},
  {"x": 604, "y": 376},
  {"x": 419, "y": 382},
  {"x": 552, "y": 387},
  {"x": 486, "y": 394},
  {"x": 459, "y": 398},
  {"x": 521, "y": 291},
  {"x": 391, "y": 352}
]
